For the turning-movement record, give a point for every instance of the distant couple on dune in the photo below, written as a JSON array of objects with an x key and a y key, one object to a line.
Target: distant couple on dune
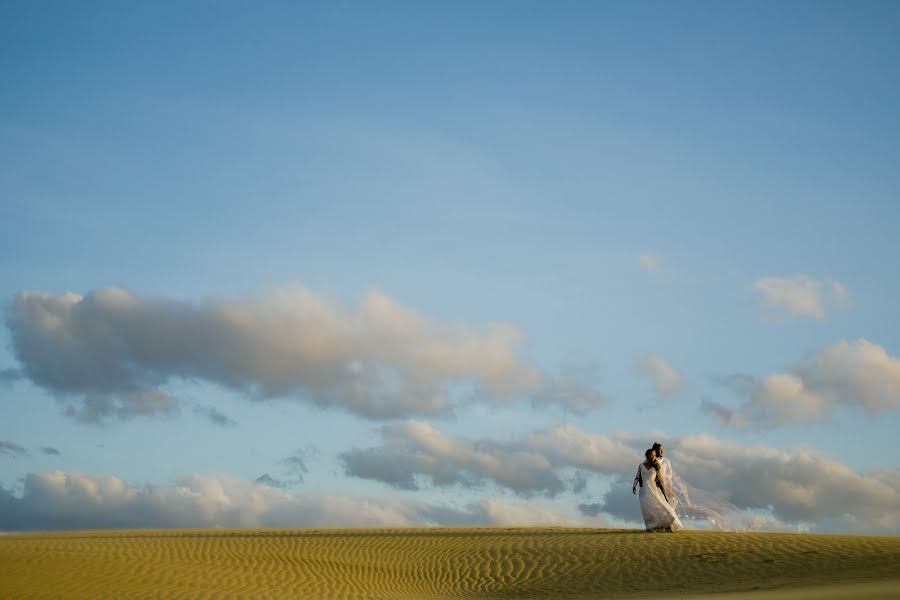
[{"x": 655, "y": 478}]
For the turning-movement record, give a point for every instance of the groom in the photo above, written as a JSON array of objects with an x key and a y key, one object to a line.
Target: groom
[{"x": 668, "y": 475}]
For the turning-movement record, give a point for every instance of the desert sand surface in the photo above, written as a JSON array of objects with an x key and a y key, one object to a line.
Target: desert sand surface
[{"x": 447, "y": 563}]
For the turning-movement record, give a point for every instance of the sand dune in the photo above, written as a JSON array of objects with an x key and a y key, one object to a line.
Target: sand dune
[{"x": 446, "y": 563}]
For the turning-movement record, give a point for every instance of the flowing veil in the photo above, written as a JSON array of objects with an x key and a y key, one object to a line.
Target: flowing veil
[{"x": 697, "y": 504}]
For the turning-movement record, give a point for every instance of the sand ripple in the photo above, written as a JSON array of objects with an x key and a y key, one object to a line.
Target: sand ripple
[{"x": 440, "y": 563}]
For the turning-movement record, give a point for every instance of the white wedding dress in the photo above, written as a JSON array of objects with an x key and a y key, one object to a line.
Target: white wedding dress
[{"x": 658, "y": 513}]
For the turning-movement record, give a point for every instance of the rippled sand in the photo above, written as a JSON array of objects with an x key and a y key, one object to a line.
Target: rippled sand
[{"x": 446, "y": 563}]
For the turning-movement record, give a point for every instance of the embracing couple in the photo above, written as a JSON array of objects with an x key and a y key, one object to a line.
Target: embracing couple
[{"x": 655, "y": 477}]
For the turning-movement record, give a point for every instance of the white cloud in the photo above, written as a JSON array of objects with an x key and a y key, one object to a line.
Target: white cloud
[
  {"x": 414, "y": 451},
  {"x": 111, "y": 350},
  {"x": 61, "y": 500},
  {"x": 855, "y": 374},
  {"x": 799, "y": 295},
  {"x": 785, "y": 399},
  {"x": 570, "y": 446},
  {"x": 666, "y": 380}
]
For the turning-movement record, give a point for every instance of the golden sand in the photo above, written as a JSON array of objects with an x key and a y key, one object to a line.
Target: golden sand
[{"x": 446, "y": 563}]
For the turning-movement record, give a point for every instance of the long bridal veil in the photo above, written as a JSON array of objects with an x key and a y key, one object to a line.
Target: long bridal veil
[{"x": 700, "y": 505}]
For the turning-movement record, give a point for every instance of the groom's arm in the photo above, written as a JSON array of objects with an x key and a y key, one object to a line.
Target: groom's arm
[
  {"x": 666, "y": 470},
  {"x": 669, "y": 476}
]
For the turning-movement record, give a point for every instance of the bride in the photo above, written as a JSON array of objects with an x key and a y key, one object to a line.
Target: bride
[{"x": 659, "y": 515}]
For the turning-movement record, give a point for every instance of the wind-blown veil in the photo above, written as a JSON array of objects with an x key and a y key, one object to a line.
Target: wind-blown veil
[{"x": 698, "y": 504}]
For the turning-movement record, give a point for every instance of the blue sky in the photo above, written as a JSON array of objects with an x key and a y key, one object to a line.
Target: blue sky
[{"x": 711, "y": 185}]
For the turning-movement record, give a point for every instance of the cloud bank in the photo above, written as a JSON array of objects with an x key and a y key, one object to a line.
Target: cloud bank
[
  {"x": 110, "y": 351},
  {"x": 59, "y": 500},
  {"x": 798, "y": 487},
  {"x": 415, "y": 453},
  {"x": 854, "y": 374},
  {"x": 801, "y": 488}
]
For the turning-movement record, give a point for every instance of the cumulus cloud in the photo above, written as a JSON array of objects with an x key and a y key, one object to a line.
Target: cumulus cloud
[
  {"x": 785, "y": 399},
  {"x": 666, "y": 379},
  {"x": 799, "y": 295},
  {"x": 413, "y": 453},
  {"x": 855, "y": 374},
  {"x": 775, "y": 488},
  {"x": 416, "y": 449},
  {"x": 61, "y": 500},
  {"x": 570, "y": 446},
  {"x": 111, "y": 351},
  {"x": 12, "y": 449}
]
